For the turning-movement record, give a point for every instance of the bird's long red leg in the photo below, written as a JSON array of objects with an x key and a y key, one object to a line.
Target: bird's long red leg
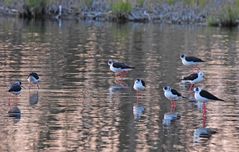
[
  {"x": 204, "y": 114},
  {"x": 191, "y": 87},
  {"x": 204, "y": 121},
  {"x": 204, "y": 109},
  {"x": 9, "y": 102},
  {"x": 174, "y": 104},
  {"x": 196, "y": 69}
]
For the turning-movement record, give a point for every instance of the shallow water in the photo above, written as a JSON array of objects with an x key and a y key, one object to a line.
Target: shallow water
[{"x": 81, "y": 106}]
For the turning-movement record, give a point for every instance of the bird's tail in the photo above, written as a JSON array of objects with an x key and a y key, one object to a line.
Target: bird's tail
[
  {"x": 185, "y": 97},
  {"x": 220, "y": 99}
]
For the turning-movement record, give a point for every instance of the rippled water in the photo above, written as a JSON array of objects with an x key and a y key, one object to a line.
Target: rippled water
[{"x": 81, "y": 106}]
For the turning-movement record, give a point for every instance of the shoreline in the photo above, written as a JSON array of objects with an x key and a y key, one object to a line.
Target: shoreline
[{"x": 177, "y": 13}]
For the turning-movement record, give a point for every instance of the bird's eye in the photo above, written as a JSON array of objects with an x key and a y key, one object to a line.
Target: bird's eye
[
  {"x": 197, "y": 89},
  {"x": 182, "y": 56},
  {"x": 165, "y": 88}
]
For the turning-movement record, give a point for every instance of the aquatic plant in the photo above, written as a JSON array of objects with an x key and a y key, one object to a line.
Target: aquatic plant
[
  {"x": 8, "y": 2},
  {"x": 227, "y": 17},
  {"x": 212, "y": 21},
  {"x": 140, "y": 3},
  {"x": 88, "y": 3},
  {"x": 171, "y": 2},
  {"x": 202, "y": 3},
  {"x": 121, "y": 9},
  {"x": 33, "y": 9}
]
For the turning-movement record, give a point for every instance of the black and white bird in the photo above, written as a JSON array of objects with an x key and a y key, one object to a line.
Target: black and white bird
[
  {"x": 118, "y": 67},
  {"x": 33, "y": 78},
  {"x": 204, "y": 96},
  {"x": 172, "y": 95},
  {"x": 194, "y": 78},
  {"x": 139, "y": 85},
  {"x": 190, "y": 60},
  {"x": 16, "y": 88}
]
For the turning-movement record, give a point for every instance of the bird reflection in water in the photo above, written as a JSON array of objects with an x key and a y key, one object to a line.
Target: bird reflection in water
[
  {"x": 170, "y": 117},
  {"x": 202, "y": 133},
  {"x": 14, "y": 112},
  {"x": 117, "y": 88},
  {"x": 33, "y": 97},
  {"x": 138, "y": 111}
]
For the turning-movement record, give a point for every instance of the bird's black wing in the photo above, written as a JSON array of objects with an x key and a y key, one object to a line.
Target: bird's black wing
[
  {"x": 15, "y": 88},
  {"x": 192, "y": 76},
  {"x": 208, "y": 95},
  {"x": 122, "y": 65},
  {"x": 35, "y": 75},
  {"x": 143, "y": 83},
  {"x": 193, "y": 59},
  {"x": 175, "y": 92}
]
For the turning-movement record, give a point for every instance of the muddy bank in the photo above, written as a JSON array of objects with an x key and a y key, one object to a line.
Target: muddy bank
[{"x": 105, "y": 10}]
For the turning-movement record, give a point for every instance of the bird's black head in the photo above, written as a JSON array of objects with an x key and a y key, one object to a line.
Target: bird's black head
[
  {"x": 18, "y": 82},
  {"x": 166, "y": 88},
  {"x": 196, "y": 89},
  {"x": 182, "y": 56},
  {"x": 110, "y": 62}
]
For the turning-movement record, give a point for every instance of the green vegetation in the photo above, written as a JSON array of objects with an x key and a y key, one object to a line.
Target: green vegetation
[
  {"x": 88, "y": 3},
  {"x": 227, "y": 17},
  {"x": 171, "y": 2},
  {"x": 34, "y": 8},
  {"x": 189, "y": 2},
  {"x": 121, "y": 9},
  {"x": 8, "y": 2},
  {"x": 140, "y": 3},
  {"x": 202, "y": 3},
  {"x": 212, "y": 21}
]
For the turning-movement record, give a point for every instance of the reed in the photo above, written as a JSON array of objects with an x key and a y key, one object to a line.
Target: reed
[
  {"x": 227, "y": 17},
  {"x": 121, "y": 9}
]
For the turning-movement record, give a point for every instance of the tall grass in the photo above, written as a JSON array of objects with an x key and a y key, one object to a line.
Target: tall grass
[
  {"x": 121, "y": 9},
  {"x": 227, "y": 17},
  {"x": 8, "y": 2},
  {"x": 140, "y": 3}
]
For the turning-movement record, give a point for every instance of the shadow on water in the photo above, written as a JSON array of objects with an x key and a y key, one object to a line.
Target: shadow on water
[{"x": 81, "y": 106}]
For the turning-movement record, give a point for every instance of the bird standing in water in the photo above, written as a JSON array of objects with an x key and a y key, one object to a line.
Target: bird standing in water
[
  {"x": 119, "y": 68},
  {"x": 173, "y": 95},
  {"x": 139, "y": 85},
  {"x": 191, "y": 61},
  {"x": 194, "y": 78},
  {"x": 204, "y": 96},
  {"x": 33, "y": 78}
]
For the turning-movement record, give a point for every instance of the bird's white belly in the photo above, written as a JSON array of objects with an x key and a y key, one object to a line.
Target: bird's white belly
[
  {"x": 139, "y": 87},
  {"x": 200, "y": 98},
  {"x": 32, "y": 80},
  {"x": 16, "y": 92},
  {"x": 198, "y": 80},
  {"x": 115, "y": 69},
  {"x": 170, "y": 96},
  {"x": 188, "y": 63}
]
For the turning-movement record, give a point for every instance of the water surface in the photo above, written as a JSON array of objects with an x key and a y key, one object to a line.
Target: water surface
[{"x": 81, "y": 106}]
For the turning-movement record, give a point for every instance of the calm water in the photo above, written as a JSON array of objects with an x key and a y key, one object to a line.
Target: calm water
[{"x": 81, "y": 106}]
